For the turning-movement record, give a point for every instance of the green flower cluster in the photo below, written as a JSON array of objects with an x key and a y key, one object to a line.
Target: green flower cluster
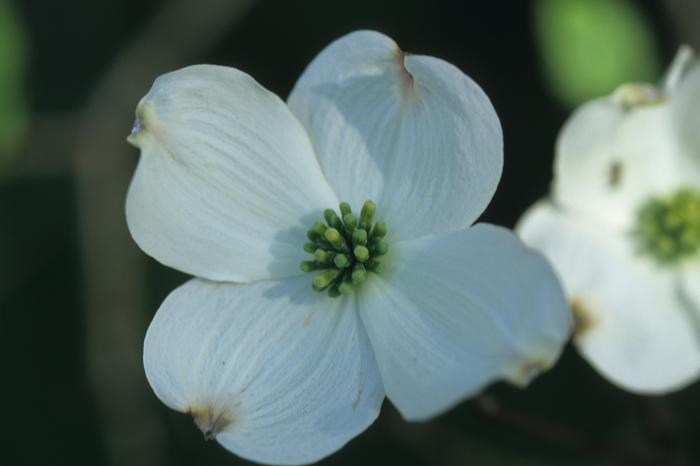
[
  {"x": 345, "y": 249},
  {"x": 668, "y": 229}
]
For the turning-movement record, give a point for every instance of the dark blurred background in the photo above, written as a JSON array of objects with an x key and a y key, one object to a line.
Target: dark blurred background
[{"x": 76, "y": 294}]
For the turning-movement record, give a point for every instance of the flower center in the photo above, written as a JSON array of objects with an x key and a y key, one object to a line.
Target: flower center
[
  {"x": 668, "y": 229},
  {"x": 345, "y": 249}
]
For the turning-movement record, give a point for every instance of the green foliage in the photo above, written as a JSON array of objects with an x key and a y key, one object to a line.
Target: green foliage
[
  {"x": 13, "y": 51},
  {"x": 589, "y": 47}
]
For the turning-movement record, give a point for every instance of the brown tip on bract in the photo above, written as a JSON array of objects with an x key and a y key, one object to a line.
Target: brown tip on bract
[
  {"x": 142, "y": 124},
  {"x": 132, "y": 138},
  {"x": 615, "y": 174},
  {"x": 583, "y": 319},
  {"x": 631, "y": 95},
  {"x": 210, "y": 421},
  {"x": 529, "y": 371},
  {"x": 407, "y": 82}
]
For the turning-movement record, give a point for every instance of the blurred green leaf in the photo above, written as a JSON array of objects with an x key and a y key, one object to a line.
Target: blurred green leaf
[
  {"x": 589, "y": 47},
  {"x": 13, "y": 51}
]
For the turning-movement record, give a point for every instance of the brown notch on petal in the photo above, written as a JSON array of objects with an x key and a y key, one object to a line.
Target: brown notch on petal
[
  {"x": 141, "y": 125},
  {"x": 529, "y": 370},
  {"x": 583, "y": 318},
  {"x": 615, "y": 174},
  {"x": 408, "y": 84},
  {"x": 632, "y": 95},
  {"x": 210, "y": 421}
]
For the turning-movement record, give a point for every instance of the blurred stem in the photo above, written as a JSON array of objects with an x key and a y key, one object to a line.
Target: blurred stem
[
  {"x": 115, "y": 295},
  {"x": 620, "y": 453},
  {"x": 663, "y": 428},
  {"x": 556, "y": 433}
]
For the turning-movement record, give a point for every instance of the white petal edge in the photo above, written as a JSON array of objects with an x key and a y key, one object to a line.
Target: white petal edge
[
  {"x": 227, "y": 181},
  {"x": 686, "y": 111},
  {"x": 455, "y": 312},
  {"x": 411, "y": 132},
  {"x": 690, "y": 292},
  {"x": 632, "y": 326},
  {"x": 611, "y": 159},
  {"x": 290, "y": 369}
]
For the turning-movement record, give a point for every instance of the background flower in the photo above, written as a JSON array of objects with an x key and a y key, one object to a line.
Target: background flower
[{"x": 623, "y": 230}]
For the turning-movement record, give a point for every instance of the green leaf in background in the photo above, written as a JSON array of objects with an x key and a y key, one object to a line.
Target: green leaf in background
[
  {"x": 12, "y": 98},
  {"x": 589, "y": 47}
]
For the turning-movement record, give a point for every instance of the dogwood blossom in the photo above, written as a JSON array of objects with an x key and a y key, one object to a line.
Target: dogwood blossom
[
  {"x": 238, "y": 188},
  {"x": 622, "y": 228}
]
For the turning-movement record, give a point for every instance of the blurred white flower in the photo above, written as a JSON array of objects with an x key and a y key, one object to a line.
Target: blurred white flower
[
  {"x": 421, "y": 307},
  {"x": 622, "y": 229}
]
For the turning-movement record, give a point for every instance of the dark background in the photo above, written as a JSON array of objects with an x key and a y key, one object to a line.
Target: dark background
[{"x": 76, "y": 294}]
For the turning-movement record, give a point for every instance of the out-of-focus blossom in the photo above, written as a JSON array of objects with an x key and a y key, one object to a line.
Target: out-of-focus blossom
[{"x": 622, "y": 228}]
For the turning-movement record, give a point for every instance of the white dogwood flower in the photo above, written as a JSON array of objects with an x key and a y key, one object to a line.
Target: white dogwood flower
[
  {"x": 622, "y": 229},
  {"x": 283, "y": 364}
]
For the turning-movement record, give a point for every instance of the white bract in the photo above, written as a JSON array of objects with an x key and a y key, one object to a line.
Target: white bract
[
  {"x": 622, "y": 229},
  {"x": 229, "y": 181}
]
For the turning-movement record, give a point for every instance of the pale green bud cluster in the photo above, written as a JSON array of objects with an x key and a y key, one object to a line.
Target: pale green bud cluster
[
  {"x": 345, "y": 249},
  {"x": 668, "y": 229}
]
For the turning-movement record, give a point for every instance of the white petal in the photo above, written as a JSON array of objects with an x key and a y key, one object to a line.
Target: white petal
[
  {"x": 454, "y": 312},
  {"x": 611, "y": 159},
  {"x": 686, "y": 111},
  {"x": 690, "y": 293},
  {"x": 410, "y": 132},
  {"x": 227, "y": 181},
  {"x": 631, "y": 323},
  {"x": 288, "y": 372}
]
